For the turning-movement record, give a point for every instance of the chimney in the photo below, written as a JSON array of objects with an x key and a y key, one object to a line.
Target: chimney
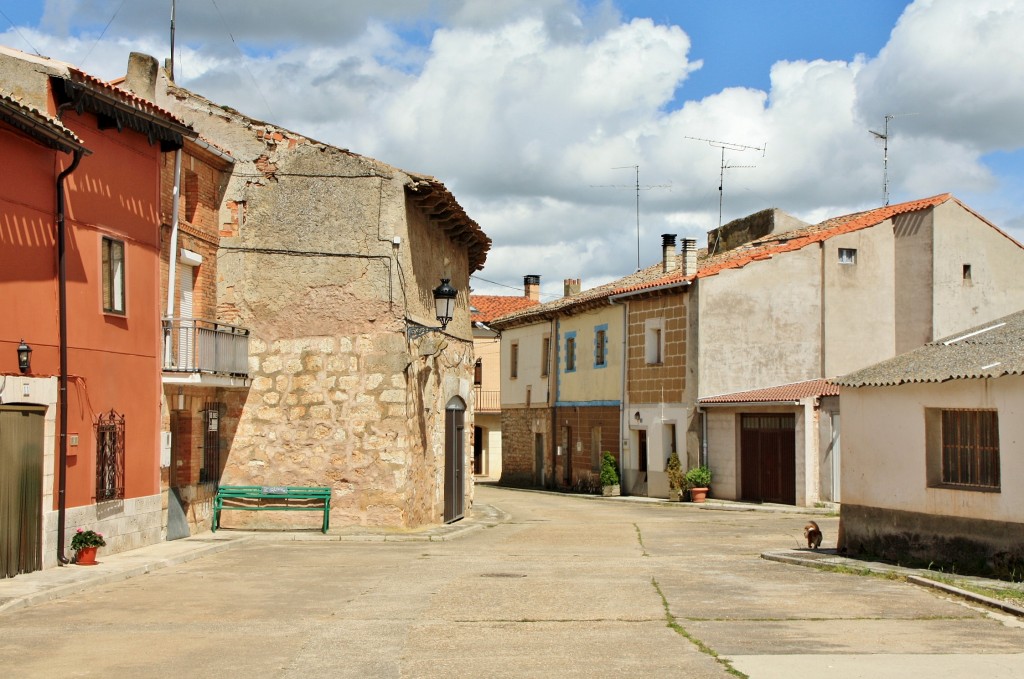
[
  {"x": 531, "y": 286},
  {"x": 141, "y": 75},
  {"x": 668, "y": 252},
  {"x": 689, "y": 256},
  {"x": 571, "y": 286}
]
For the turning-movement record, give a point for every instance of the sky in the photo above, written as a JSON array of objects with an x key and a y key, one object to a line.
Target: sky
[{"x": 543, "y": 116}]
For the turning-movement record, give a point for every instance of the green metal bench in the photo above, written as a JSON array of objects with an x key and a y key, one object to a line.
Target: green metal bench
[{"x": 272, "y": 498}]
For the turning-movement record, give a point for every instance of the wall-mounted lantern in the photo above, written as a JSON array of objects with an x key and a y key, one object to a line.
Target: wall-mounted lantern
[
  {"x": 444, "y": 307},
  {"x": 24, "y": 357}
]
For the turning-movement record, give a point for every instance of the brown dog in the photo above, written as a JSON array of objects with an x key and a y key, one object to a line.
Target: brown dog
[{"x": 813, "y": 535}]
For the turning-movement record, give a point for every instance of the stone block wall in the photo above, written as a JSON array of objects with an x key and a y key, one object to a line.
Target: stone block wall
[{"x": 583, "y": 423}]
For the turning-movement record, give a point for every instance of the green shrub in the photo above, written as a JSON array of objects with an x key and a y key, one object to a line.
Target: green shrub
[
  {"x": 609, "y": 470},
  {"x": 674, "y": 471},
  {"x": 698, "y": 477}
]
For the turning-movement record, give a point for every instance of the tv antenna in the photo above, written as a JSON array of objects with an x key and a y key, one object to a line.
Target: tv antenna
[
  {"x": 731, "y": 146},
  {"x": 636, "y": 186},
  {"x": 884, "y": 136}
]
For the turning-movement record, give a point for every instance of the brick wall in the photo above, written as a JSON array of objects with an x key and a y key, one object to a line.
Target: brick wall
[
  {"x": 582, "y": 422},
  {"x": 653, "y": 383},
  {"x": 519, "y": 428}
]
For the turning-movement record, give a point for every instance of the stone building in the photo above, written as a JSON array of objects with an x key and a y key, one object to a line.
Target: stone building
[{"x": 329, "y": 260}]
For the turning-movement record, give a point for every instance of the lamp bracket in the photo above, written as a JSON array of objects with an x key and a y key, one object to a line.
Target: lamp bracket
[{"x": 417, "y": 331}]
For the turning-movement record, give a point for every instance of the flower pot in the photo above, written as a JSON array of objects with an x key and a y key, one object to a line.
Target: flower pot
[
  {"x": 86, "y": 556},
  {"x": 698, "y": 494},
  {"x": 610, "y": 491}
]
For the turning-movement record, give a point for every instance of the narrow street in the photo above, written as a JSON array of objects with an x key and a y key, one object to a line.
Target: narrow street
[{"x": 567, "y": 587}]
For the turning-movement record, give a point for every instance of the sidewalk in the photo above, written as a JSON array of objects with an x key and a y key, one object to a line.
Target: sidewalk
[{"x": 34, "y": 588}]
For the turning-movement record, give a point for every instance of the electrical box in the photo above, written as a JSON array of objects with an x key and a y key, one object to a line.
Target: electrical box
[{"x": 165, "y": 449}]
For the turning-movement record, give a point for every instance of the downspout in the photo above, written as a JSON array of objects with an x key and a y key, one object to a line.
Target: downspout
[
  {"x": 554, "y": 408},
  {"x": 623, "y": 427},
  {"x": 172, "y": 259},
  {"x": 62, "y": 400}
]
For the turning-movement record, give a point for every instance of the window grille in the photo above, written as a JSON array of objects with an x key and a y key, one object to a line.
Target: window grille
[
  {"x": 212, "y": 415},
  {"x": 110, "y": 457},
  {"x": 970, "y": 448}
]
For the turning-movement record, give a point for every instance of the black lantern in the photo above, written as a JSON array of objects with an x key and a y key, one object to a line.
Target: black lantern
[
  {"x": 444, "y": 302},
  {"x": 24, "y": 357}
]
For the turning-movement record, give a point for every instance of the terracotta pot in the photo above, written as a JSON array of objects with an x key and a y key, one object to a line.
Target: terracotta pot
[
  {"x": 698, "y": 494},
  {"x": 86, "y": 556}
]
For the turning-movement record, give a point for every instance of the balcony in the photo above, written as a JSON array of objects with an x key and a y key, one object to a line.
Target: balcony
[
  {"x": 488, "y": 401},
  {"x": 198, "y": 346}
]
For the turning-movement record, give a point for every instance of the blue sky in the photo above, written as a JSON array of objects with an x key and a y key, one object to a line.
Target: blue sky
[{"x": 523, "y": 108}]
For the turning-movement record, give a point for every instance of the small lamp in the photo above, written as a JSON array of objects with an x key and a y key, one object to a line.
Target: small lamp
[
  {"x": 444, "y": 302},
  {"x": 24, "y": 357}
]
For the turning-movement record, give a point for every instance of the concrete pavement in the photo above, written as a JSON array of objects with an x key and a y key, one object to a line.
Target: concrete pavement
[{"x": 555, "y": 585}]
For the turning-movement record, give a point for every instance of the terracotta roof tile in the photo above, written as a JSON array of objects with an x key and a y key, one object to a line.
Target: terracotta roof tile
[
  {"x": 787, "y": 241},
  {"x": 12, "y": 108},
  {"x": 784, "y": 392},
  {"x": 487, "y": 307}
]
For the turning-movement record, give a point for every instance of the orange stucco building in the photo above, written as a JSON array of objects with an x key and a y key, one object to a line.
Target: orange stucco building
[{"x": 76, "y": 145}]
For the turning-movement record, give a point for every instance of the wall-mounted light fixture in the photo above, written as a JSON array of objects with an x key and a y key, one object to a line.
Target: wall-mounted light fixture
[
  {"x": 636, "y": 416},
  {"x": 24, "y": 357},
  {"x": 444, "y": 308},
  {"x": 181, "y": 398}
]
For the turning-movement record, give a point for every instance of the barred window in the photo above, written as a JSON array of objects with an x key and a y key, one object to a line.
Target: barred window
[
  {"x": 963, "y": 448},
  {"x": 212, "y": 414},
  {"x": 110, "y": 457}
]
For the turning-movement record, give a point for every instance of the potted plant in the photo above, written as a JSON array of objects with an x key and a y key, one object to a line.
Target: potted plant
[
  {"x": 698, "y": 479},
  {"x": 85, "y": 543},
  {"x": 676, "y": 478},
  {"x": 609, "y": 475}
]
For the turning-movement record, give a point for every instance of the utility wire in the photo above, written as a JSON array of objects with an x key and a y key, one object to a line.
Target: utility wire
[
  {"x": 255, "y": 82},
  {"x": 102, "y": 33},
  {"x": 20, "y": 34},
  {"x": 510, "y": 287}
]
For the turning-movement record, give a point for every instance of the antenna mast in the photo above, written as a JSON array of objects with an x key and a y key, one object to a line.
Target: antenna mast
[
  {"x": 171, "y": 63},
  {"x": 732, "y": 146},
  {"x": 884, "y": 136},
  {"x": 637, "y": 188}
]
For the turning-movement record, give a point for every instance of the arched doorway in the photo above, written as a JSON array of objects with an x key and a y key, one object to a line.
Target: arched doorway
[{"x": 454, "y": 459}]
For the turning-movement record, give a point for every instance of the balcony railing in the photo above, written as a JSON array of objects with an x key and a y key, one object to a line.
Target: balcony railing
[
  {"x": 195, "y": 345},
  {"x": 488, "y": 401}
]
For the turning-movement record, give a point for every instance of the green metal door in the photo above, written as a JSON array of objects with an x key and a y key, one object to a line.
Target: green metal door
[{"x": 21, "y": 489}]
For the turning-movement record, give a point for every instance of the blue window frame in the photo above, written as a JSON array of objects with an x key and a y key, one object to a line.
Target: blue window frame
[
  {"x": 601, "y": 346},
  {"x": 570, "y": 352}
]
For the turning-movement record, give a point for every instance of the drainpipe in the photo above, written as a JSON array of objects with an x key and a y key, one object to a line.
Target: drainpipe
[
  {"x": 62, "y": 400},
  {"x": 623, "y": 426},
  {"x": 554, "y": 408},
  {"x": 172, "y": 258}
]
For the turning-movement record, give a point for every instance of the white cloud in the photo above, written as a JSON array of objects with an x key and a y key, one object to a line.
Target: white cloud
[{"x": 523, "y": 109}]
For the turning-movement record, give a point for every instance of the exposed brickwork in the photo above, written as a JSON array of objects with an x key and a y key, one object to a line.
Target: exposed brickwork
[
  {"x": 665, "y": 382},
  {"x": 582, "y": 423},
  {"x": 519, "y": 429}
]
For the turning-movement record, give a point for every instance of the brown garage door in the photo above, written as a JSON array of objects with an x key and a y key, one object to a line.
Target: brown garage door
[{"x": 768, "y": 458}]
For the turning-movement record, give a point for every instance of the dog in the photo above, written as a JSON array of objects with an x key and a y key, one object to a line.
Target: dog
[{"x": 813, "y": 535}]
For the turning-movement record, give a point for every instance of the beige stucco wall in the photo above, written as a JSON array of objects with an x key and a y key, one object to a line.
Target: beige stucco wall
[
  {"x": 996, "y": 286},
  {"x": 530, "y": 381},
  {"x": 590, "y": 383},
  {"x": 759, "y": 325},
  {"x": 883, "y": 460}
]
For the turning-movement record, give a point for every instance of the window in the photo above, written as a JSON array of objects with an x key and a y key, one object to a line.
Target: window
[
  {"x": 570, "y": 352},
  {"x": 109, "y": 457},
  {"x": 113, "y": 276},
  {"x": 601, "y": 346},
  {"x": 545, "y": 356},
  {"x": 847, "y": 256},
  {"x": 654, "y": 341},
  {"x": 513, "y": 368},
  {"x": 963, "y": 448},
  {"x": 967, "y": 272},
  {"x": 478, "y": 372},
  {"x": 210, "y": 471}
]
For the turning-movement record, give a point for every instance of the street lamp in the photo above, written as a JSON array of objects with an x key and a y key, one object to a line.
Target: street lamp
[
  {"x": 444, "y": 308},
  {"x": 24, "y": 357}
]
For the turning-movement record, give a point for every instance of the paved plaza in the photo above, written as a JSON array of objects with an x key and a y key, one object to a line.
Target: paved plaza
[{"x": 542, "y": 585}]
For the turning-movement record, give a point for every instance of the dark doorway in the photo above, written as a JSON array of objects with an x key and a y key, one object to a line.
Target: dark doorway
[
  {"x": 21, "y": 488},
  {"x": 478, "y": 450},
  {"x": 538, "y": 459},
  {"x": 768, "y": 458},
  {"x": 641, "y": 450},
  {"x": 567, "y": 478},
  {"x": 454, "y": 460}
]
